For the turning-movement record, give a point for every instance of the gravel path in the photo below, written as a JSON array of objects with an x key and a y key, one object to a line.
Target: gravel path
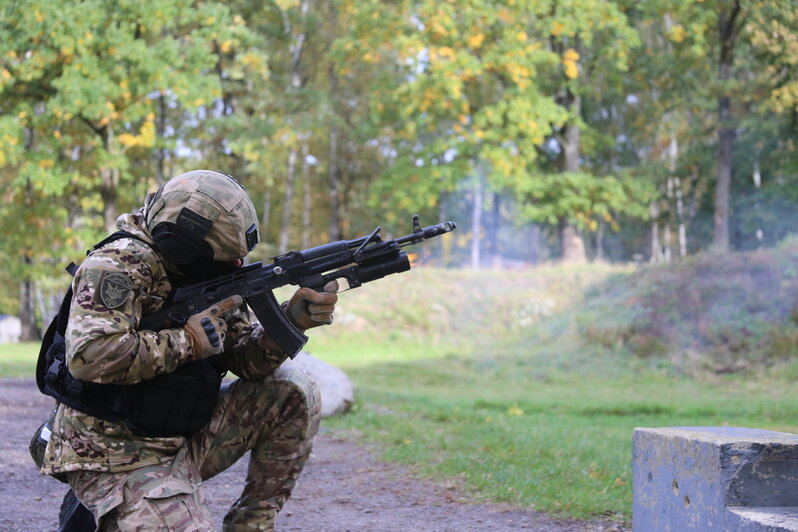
[{"x": 344, "y": 487}]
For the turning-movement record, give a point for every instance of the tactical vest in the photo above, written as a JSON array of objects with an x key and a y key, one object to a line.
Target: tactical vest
[{"x": 171, "y": 404}]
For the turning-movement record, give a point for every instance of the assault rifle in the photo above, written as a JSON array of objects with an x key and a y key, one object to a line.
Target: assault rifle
[{"x": 355, "y": 262}]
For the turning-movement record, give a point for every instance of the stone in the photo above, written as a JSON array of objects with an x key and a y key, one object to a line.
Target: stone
[
  {"x": 10, "y": 329},
  {"x": 337, "y": 392},
  {"x": 724, "y": 479}
]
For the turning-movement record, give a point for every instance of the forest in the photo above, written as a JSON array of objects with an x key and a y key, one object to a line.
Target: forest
[{"x": 551, "y": 131}]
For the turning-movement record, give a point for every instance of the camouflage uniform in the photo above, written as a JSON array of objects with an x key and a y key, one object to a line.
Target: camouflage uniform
[{"x": 136, "y": 483}]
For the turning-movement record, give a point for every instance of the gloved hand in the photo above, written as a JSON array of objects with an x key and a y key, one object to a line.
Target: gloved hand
[
  {"x": 308, "y": 308},
  {"x": 206, "y": 329}
]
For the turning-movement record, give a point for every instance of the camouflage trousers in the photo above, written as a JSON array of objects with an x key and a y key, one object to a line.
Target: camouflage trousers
[{"x": 275, "y": 418}]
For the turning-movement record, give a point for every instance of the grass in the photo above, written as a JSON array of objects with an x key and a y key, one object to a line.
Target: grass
[
  {"x": 514, "y": 387},
  {"x": 543, "y": 428},
  {"x": 18, "y": 360}
]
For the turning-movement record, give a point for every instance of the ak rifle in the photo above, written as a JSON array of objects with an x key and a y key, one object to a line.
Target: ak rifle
[{"x": 351, "y": 262}]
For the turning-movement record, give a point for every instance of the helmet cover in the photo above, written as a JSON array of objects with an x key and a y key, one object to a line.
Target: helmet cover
[{"x": 202, "y": 214}]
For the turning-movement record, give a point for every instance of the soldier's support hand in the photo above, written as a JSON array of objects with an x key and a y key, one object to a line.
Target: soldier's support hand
[
  {"x": 308, "y": 308},
  {"x": 206, "y": 330}
]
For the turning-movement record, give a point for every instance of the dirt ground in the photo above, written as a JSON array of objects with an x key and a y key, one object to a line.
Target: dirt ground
[{"x": 344, "y": 487}]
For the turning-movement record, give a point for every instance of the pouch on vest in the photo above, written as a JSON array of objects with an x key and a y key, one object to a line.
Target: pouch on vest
[{"x": 180, "y": 402}]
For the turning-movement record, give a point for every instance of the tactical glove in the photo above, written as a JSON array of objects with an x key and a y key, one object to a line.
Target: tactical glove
[
  {"x": 308, "y": 308},
  {"x": 206, "y": 330}
]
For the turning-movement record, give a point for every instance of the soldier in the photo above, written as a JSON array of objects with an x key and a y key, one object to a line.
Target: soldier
[{"x": 144, "y": 472}]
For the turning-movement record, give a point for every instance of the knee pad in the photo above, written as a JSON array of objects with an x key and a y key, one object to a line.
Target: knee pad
[{"x": 299, "y": 387}]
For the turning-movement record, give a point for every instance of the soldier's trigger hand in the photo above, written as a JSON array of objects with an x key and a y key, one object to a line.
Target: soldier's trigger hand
[
  {"x": 308, "y": 308},
  {"x": 206, "y": 330}
]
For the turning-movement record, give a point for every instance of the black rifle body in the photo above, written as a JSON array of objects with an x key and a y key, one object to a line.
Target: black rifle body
[{"x": 355, "y": 262}]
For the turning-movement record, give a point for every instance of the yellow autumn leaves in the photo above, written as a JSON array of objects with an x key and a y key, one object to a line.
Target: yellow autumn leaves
[
  {"x": 515, "y": 410},
  {"x": 677, "y": 33},
  {"x": 569, "y": 63},
  {"x": 145, "y": 138}
]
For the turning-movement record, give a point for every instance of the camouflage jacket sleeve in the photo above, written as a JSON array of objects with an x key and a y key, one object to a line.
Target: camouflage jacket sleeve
[
  {"x": 249, "y": 351},
  {"x": 113, "y": 288}
]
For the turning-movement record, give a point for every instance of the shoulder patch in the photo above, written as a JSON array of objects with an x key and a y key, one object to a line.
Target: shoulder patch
[{"x": 113, "y": 289}]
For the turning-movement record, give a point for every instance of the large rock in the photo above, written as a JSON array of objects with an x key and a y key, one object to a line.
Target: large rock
[
  {"x": 10, "y": 329},
  {"x": 337, "y": 392}
]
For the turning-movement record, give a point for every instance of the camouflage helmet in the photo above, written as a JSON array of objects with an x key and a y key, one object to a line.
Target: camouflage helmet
[{"x": 202, "y": 214}]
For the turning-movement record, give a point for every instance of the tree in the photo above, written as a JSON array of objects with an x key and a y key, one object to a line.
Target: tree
[
  {"x": 81, "y": 84},
  {"x": 684, "y": 109}
]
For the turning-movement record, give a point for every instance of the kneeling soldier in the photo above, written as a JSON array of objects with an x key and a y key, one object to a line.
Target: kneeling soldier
[{"x": 136, "y": 454}]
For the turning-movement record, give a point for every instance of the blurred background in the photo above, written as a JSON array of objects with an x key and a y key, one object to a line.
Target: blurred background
[{"x": 624, "y": 177}]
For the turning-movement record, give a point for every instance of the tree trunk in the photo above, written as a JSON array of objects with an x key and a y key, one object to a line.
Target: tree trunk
[
  {"x": 295, "y": 84},
  {"x": 600, "y": 241},
  {"x": 445, "y": 243},
  {"x": 493, "y": 234},
  {"x": 476, "y": 223},
  {"x": 27, "y": 310},
  {"x": 573, "y": 245},
  {"x": 334, "y": 183},
  {"x": 288, "y": 200},
  {"x": 720, "y": 239},
  {"x": 48, "y": 306},
  {"x": 680, "y": 215},
  {"x": 306, "y": 198},
  {"x": 728, "y": 30},
  {"x": 334, "y": 169},
  {"x": 757, "y": 178},
  {"x": 668, "y": 243},
  {"x": 267, "y": 210},
  {"x": 109, "y": 184},
  {"x": 110, "y": 180},
  {"x": 656, "y": 250},
  {"x": 160, "y": 161},
  {"x": 535, "y": 254},
  {"x": 675, "y": 192}
]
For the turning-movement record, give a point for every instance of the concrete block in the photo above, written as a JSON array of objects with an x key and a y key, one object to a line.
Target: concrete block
[
  {"x": 774, "y": 519},
  {"x": 714, "y": 479}
]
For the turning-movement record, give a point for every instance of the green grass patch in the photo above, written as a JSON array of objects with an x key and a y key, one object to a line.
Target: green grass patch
[
  {"x": 18, "y": 360},
  {"x": 558, "y": 442}
]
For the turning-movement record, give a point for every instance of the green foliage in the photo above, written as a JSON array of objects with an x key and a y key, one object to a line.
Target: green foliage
[
  {"x": 586, "y": 199},
  {"x": 401, "y": 107},
  {"x": 80, "y": 85},
  {"x": 479, "y": 94}
]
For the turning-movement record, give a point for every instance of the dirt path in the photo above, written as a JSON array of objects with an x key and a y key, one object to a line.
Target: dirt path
[{"x": 344, "y": 488}]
